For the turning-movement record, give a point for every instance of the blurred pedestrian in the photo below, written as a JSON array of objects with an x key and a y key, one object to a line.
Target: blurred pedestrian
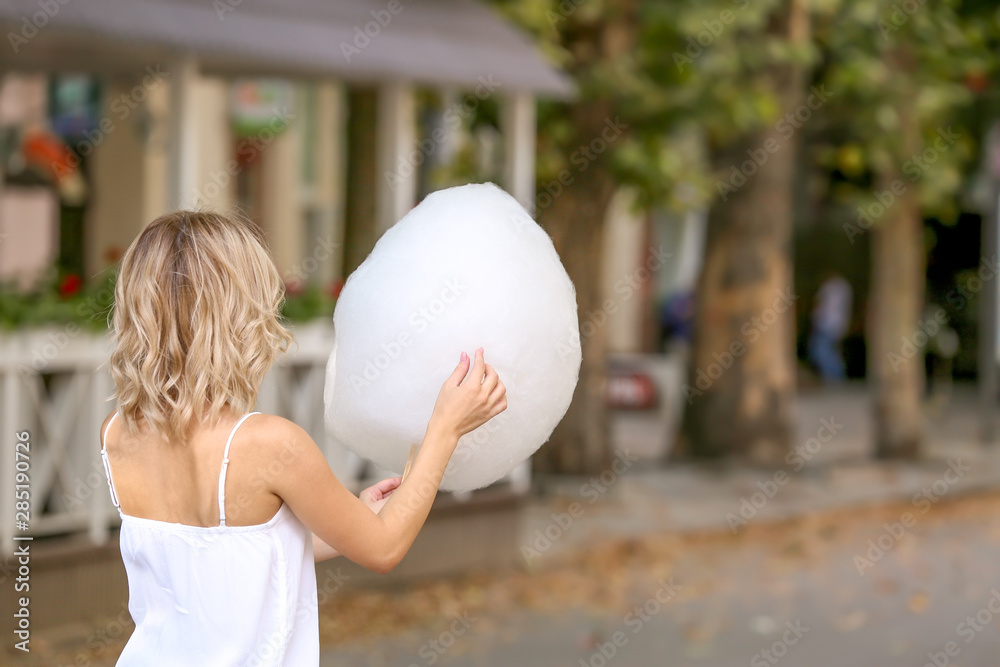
[
  {"x": 831, "y": 318},
  {"x": 677, "y": 318}
]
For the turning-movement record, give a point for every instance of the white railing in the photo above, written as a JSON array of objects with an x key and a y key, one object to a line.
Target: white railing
[{"x": 54, "y": 383}]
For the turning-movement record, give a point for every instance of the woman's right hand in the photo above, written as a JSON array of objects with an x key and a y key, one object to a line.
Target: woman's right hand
[
  {"x": 339, "y": 521},
  {"x": 469, "y": 399}
]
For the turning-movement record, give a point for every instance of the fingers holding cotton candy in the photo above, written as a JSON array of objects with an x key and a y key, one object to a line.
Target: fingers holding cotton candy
[
  {"x": 467, "y": 268},
  {"x": 470, "y": 397}
]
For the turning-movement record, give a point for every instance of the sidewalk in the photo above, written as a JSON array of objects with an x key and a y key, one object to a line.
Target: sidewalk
[
  {"x": 592, "y": 548},
  {"x": 837, "y": 473}
]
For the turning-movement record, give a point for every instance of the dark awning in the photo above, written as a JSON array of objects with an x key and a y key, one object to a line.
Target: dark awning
[{"x": 444, "y": 42}]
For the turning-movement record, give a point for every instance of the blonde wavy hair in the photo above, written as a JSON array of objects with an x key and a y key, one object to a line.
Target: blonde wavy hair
[{"x": 196, "y": 322}]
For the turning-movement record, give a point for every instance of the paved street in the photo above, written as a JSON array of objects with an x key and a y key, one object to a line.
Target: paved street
[
  {"x": 933, "y": 561},
  {"x": 925, "y": 534},
  {"x": 789, "y": 594}
]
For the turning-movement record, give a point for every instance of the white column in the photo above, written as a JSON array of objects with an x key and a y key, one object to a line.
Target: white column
[
  {"x": 625, "y": 240},
  {"x": 518, "y": 126},
  {"x": 517, "y": 123},
  {"x": 396, "y": 190},
  {"x": 215, "y": 186},
  {"x": 281, "y": 209},
  {"x": 183, "y": 161},
  {"x": 125, "y": 202}
]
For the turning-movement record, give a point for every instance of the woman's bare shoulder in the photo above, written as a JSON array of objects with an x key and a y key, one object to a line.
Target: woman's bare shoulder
[
  {"x": 271, "y": 432},
  {"x": 282, "y": 448}
]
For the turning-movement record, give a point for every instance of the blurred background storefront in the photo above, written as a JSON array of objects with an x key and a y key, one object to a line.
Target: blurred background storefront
[{"x": 324, "y": 124}]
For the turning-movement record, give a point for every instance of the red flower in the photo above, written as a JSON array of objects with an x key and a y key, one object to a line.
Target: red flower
[
  {"x": 294, "y": 287},
  {"x": 70, "y": 285},
  {"x": 977, "y": 82},
  {"x": 112, "y": 254},
  {"x": 333, "y": 289}
]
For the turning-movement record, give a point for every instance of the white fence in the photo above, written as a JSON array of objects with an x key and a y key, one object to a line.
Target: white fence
[{"x": 54, "y": 384}]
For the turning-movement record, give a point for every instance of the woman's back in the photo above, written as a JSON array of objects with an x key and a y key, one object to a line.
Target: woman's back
[
  {"x": 219, "y": 522},
  {"x": 212, "y": 580}
]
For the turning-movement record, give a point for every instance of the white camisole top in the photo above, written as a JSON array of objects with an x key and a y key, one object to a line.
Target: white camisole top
[{"x": 221, "y": 595}]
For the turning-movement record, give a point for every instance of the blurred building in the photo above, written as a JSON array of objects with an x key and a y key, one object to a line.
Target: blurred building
[{"x": 324, "y": 121}]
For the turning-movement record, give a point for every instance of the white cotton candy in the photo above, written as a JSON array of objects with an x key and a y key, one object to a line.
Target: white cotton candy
[{"x": 467, "y": 268}]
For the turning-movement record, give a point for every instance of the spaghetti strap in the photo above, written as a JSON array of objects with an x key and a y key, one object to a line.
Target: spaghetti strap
[
  {"x": 107, "y": 465},
  {"x": 225, "y": 466}
]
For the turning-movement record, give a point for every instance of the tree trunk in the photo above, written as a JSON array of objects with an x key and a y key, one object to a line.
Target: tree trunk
[
  {"x": 573, "y": 214},
  {"x": 895, "y": 354},
  {"x": 741, "y": 387},
  {"x": 575, "y": 220}
]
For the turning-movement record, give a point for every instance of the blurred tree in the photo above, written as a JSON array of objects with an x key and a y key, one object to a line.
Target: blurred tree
[
  {"x": 901, "y": 72},
  {"x": 751, "y": 88},
  {"x": 594, "y": 42},
  {"x": 649, "y": 73},
  {"x": 747, "y": 78}
]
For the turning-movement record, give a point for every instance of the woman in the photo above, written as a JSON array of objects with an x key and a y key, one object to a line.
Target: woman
[{"x": 224, "y": 511}]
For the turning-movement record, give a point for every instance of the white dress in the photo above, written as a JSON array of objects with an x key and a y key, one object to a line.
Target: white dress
[{"x": 221, "y": 595}]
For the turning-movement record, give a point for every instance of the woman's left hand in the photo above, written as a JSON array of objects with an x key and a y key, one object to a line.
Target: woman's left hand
[{"x": 375, "y": 497}]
